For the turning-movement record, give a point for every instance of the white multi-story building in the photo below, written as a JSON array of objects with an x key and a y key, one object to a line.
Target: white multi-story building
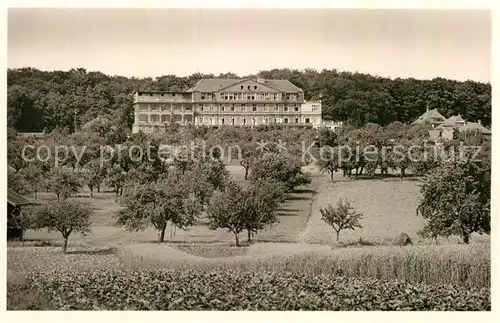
[{"x": 227, "y": 102}]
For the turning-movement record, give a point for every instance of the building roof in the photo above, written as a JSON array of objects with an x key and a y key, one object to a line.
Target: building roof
[
  {"x": 474, "y": 126},
  {"x": 429, "y": 114},
  {"x": 16, "y": 199},
  {"x": 452, "y": 121},
  {"x": 32, "y": 134},
  {"x": 455, "y": 119},
  {"x": 213, "y": 85}
]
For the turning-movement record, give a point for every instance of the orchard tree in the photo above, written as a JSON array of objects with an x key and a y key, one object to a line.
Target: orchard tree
[
  {"x": 33, "y": 175},
  {"x": 282, "y": 168},
  {"x": 456, "y": 199},
  {"x": 204, "y": 177},
  {"x": 64, "y": 182},
  {"x": 249, "y": 153},
  {"x": 92, "y": 175},
  {"x": 399, "y": 155},
  {"x": 251, "y": 208},
  {"x": 66, "y": 217},
  {"x": 158, "y": 203},
  {"x": 115, "y": 177},
  {"x": 263, "y": 199},
  {"x": 326, "y": 137},
  {"x": 225, "y": 210},
  {"x": 342, "y": 217},
  {"x": 328, "y": 160}
]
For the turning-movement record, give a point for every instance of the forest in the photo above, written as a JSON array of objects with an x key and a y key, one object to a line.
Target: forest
[{"x": 45, "y": 100}]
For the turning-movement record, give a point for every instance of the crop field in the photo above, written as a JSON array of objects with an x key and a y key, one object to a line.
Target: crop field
[{"x": 305, "y": 278}]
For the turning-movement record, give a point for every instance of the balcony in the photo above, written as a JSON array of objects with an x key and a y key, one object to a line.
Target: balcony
[{"x": 163, "y": 97}]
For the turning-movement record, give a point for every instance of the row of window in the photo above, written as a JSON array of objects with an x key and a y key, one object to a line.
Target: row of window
[
  {"x": 251, "y": 96},
  {"x": 253, "y": 108},
  {"x": 162, "y": 118},
  {"x": 163, "y": 107},
  {"x": 165, "y": 95},
  {"x": 254, "y": 121}
]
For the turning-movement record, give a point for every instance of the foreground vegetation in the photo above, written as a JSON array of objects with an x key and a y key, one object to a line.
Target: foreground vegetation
[
  {"x": 464, "y": 265},
  {"x": 468, "y": 266},
  {"x": 236, "y": 290}
]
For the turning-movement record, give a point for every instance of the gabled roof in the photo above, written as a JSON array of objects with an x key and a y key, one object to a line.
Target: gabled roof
[
  {"x": 474, "y": 126},
  {"x": 16, "y": 199},
  {"x": 452, "y": 121},
  {"x": 455, "y": 119},
  {"x": 213, "y": 85},
  {"x": 429, "y": 114}
]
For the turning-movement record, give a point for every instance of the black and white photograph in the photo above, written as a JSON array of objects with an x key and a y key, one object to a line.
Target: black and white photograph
[{"x": 248, "y": 159}]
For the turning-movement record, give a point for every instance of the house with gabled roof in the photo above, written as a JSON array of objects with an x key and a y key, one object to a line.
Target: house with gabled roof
[
  {"x": 447, "y": 128},
  {"x": 432, "y": 117},
  {"x": 227, "y": 102}
]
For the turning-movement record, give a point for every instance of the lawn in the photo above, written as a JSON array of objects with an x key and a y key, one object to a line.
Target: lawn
[{"x": 388, "y": 207}]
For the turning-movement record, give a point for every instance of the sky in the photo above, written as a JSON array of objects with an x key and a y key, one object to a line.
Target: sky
[{"x": 422, "y": 44}]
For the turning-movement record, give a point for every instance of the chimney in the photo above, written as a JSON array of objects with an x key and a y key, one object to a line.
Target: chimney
[
  {"x": 479, "y": 121},
  {"x": 427, "y": 108},
  {"x": 261, "y": 80}
]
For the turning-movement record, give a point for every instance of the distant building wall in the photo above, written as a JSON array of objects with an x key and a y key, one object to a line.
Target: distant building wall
[{"x": 242, "y": 103}]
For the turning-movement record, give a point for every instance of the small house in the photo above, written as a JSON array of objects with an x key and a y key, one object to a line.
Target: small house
[
  {"x": 15, "y": 202},
  {"x": 432, "y": 117}
]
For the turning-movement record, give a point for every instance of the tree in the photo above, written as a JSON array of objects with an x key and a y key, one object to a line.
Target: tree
[
  {"x": 262, "y": 200},
  {"x": 341, "y": 217},
  {"x": 115, "y": 177},
  {"x": 251, "y": 208},
  {"x": 158, "y": 203},
  {"x": 64, "y": 182},
  {"x": 456, "y": 200},
  {"x": 92, "y": 175},
  {"x": 100, "y": 125},
  {"x": 248, "y": 155},
  {"x": 204, "y": 177},
  {"x": 326, "y": 137},
  {"x": 328, "y": 160},
  {"x": 34, "y": 177},
  {"x": 66, "y": 217},
  {"x": 282, "y": 168},
  {"x": 225, "y": 210}
]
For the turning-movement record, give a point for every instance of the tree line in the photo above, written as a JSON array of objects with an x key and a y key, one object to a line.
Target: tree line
[{"x": 42, "y": 101}]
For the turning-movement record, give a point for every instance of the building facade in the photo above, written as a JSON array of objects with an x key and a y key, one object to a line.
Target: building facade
[
  {"x": 226, "y": 102},
  {"x": 446, "y": 128}
]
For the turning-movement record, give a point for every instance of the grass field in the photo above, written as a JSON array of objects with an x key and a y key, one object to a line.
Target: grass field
[
  {"x": 388, "y": 207},
  {"x": 293, "y": 217}
]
